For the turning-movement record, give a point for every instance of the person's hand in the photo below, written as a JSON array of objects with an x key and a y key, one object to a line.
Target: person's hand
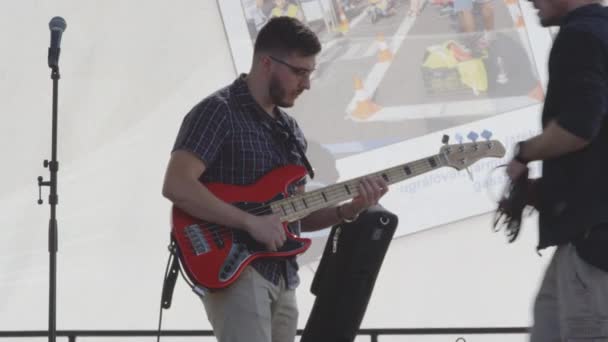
[
  {"x": 370, "y": 191},
  {"x": 515, "y": 169},
  {"x": 267, "y": 230},
  {"x": 518, "y": 165}
]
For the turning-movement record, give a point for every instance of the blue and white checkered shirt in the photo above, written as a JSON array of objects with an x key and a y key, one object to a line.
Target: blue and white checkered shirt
[{"x": 234, "y": 137}]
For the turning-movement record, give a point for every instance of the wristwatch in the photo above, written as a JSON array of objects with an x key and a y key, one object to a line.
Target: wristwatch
[
  {"x": 344, "y": 218},
  {"x": 517, "y": 153}
]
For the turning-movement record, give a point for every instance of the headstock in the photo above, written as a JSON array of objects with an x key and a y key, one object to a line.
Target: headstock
[{"x": 462, "y": 155}]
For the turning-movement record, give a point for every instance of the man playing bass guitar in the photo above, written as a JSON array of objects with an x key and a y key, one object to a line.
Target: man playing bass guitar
[{"x": 236, "y": 136}]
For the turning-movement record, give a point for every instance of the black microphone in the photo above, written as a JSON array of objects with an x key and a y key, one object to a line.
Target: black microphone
[{"x": 57, "y": 26}]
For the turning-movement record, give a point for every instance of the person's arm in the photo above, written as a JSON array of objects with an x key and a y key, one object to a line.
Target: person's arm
[
  {"x": 553, "y": 142},
  {"x": 182, "y": 187},
  {"x": 199, "y": 142},
  {"x": 370, "y": 191},
  {"x": 581, "y": 75}
]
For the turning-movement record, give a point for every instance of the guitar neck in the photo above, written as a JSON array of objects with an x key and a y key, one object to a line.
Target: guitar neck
[{"x": 296, "y": 207}]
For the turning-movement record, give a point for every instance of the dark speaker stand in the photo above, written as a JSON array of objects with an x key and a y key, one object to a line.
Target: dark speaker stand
[
  {"x": 344, "y": 281},
  {"x": 53, "y": 167}
]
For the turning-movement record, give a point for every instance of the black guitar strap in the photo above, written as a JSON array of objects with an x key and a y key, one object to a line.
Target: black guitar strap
[
  {"x": 170, "y": 276},
  {"x": 291, "y": 138},
  {"x": 279, "y": 127}
]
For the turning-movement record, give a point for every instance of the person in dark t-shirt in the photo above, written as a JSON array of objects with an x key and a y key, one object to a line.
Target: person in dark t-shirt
[{"x": 572, "y": 194}]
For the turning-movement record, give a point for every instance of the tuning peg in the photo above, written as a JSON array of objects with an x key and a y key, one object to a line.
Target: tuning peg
[
  {"x": 459, "y": 138},
  {"x": 473, "y": 136},
  {"x": 445, "y": 139},
  {"x": 486, "y": 134}
]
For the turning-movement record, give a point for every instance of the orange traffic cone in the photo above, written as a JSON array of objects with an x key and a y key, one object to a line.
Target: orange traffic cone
[
  {"x": 365, "y": 107},
  {"x": 537, "y": 93},
  {"x": 384, "y": 54},
  {"x": 344, "y": 25},
  {"x": 515, "y": 12}
]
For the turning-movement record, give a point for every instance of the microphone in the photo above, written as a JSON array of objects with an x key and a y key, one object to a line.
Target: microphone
[{"x": 57, "y": 26}]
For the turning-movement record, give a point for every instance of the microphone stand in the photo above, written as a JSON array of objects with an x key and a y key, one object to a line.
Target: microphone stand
[{"x": 53, "y": 167}]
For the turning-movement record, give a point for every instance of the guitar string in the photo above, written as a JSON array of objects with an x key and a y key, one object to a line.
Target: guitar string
[
  {"x": 334, "y": 190},
  {"x": 417, "y": 167}
]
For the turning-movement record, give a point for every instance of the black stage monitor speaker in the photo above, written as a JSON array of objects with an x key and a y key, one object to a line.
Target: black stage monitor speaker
[{"x": 346, "y": 276}]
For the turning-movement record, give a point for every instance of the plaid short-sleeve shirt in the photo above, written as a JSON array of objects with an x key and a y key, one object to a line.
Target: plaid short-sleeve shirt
[{"x": 238, "y": 143}]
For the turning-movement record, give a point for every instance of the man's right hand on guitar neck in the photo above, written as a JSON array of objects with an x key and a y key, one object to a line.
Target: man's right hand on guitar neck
[{"x": 267, "y": 230}]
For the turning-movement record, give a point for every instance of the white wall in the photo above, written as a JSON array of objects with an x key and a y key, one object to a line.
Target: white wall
[{"x": 130, "y": 71}]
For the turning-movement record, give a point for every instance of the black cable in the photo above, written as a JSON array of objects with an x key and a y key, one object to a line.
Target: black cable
[
  {"x": 160, "y": 313},
  {"x": 172, "y": 259},
  {"x": 190, "y": 284}
]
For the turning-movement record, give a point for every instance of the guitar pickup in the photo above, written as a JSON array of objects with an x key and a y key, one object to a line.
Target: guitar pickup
[
  {"x": 217, "y": 237},
  {"x": 197, "y": 240}
]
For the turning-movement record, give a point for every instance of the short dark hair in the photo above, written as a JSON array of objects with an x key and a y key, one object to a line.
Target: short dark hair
[{"x": 286, "y": 35}]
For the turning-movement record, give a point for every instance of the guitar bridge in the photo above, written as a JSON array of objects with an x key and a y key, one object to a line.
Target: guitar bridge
[{"x": 195, "y": 235}]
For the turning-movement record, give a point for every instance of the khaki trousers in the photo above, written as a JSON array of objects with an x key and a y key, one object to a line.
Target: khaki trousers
[
  {"x": 572, "y": 304},
  {"x": 253, "y": 309}
]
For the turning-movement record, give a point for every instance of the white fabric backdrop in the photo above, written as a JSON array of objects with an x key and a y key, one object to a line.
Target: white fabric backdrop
[{"x": 130, "y": 71}]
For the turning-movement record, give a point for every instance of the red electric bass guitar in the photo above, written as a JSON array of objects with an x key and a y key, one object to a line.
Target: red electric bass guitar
[{"x": 213, "y": 256}]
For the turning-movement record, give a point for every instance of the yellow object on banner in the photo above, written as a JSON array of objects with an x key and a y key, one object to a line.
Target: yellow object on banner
[
  {"x": 380, "y": 4},
  {"x": 440, "y": 56},
  {"x": 449, "y": 55},
  {"x": 473, "y": 74},
  {"x": 291, "y": 11}
]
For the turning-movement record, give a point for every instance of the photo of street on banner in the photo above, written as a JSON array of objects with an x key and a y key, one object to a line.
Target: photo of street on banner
[
  {"x": 393, "y": 76},
  {"x": 392, "y": 70}
]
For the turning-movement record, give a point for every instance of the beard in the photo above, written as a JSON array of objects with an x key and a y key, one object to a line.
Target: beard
[{"x": 277, "y": 93}]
